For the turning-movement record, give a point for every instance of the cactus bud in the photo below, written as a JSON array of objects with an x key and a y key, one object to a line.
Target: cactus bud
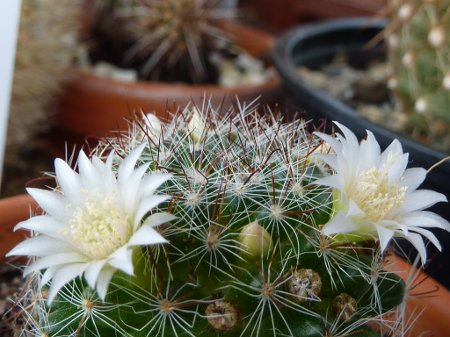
[
  {"x": 222, "y": 315},
  {"x": 436, "y": 37},
  {"x": 421, "y": 105},
  {"x": 344, "y": 306},
  {"x": 393, "y": 41},
  {"x": 408, "y": 59},
  {"x": 392, "y": 83},
  {"x": 405, "y": 12},
  {"x": 446, "y": 82},
  {"x": 196, "y": 126},
  {"x": 305, "y": 284},
  {"x": 255, "y": 239},
  {"x": 153, "y": 124}
]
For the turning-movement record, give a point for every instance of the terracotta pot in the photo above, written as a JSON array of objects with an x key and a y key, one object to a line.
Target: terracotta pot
[
  {"x": 93, "y": 105},
  {"x": 427, "y": 303},
  {"x": 13, "y": 210}
]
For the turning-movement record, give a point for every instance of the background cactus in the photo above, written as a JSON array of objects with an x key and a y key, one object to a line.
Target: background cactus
[
  {"x": 162, "y": 38},
  {"x": 419, "y": 48},
  {"x": 246, "y": 254}
]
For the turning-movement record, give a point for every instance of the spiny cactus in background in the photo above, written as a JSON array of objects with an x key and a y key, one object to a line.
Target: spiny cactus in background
[
  {"x": 223, "y": 224},
  {"x": 164, "y": 34},
  {"x": 419, "y": 55}
]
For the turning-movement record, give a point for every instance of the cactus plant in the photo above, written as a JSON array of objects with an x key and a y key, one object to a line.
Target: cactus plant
[
  {"x": 419, "y": 49},
  {"x": 163, "y": 37},
  {"x": 223, "y": 224}
]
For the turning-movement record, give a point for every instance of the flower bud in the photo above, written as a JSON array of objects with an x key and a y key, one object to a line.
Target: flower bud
[
  {"x": 408, "y": 59},
  {"x": 222, "y": 315},
  {"x": 421, "y": 105},
  {"x": 154, "y": 125},
  {"x": 344, "y": 306},
  {"x": 255, "y": 239},
  {"x": 446, "y": 82},
  {"x": 405, "y": 12},
  {"x": 196, "y": 126},
  {"x": 436, "y": 37},
  {"x": 305, "y": 284}
]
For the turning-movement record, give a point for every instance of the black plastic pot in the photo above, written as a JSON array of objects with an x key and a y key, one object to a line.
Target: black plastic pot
[{"x": 317, "y": 44}]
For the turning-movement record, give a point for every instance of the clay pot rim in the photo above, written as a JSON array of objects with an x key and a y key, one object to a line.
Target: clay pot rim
[{"x": 106, "y": 84}]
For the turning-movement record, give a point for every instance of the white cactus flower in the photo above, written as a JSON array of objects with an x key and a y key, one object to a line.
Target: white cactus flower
[
  {"x": 375, "y": 196},
  {"x": 92, "y": 224}
]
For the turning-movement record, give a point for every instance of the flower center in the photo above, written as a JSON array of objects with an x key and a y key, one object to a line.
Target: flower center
[
  {"x": 99, "y": 228},
  {"x": 376, "y": 196}
]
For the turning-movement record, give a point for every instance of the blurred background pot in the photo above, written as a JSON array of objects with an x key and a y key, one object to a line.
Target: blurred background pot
[
  {"x": 13, "y": 210},
  {"x": 426, "y": 303},
  {"x": 93, "y": 106}
]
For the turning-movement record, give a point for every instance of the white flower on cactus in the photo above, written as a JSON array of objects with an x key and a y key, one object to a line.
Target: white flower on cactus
[
  {"x": 375, "y": 196},
  {"x": 92, "y": 224}
]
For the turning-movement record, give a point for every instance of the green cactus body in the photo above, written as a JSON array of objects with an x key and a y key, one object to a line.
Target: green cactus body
[
  {"x": 210, "y": 279},
  {"x": 419, "y": 50}
]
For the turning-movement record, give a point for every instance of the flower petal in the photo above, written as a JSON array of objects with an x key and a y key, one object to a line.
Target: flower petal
[
  {"x": 103, "y": 280},
  {"x": 328, "y": 159},
  {"x": 384, "y": 235},
  {"x": 128, "y": 164},
  {"x": 330, "y": 181},
  {"x": 69, "y": 181},
  {"x": 48, "y": 274},
  {"x": 425, "y": 219},
  {"x": 159, "y": 218},
  {"x": 88, "y": 174},
  {"x": 92, "y": 272},
  {"x": 130, "y": 189},
  {"x": 63, "y": 276},
  {"x": 334, "y": 144},
  {"x": 413, "y": 177},
  {"x": 43, "y": 224},
  {"x": 370, "y": 152},
  {"x": 41, "y": 245},
  {"x": 54, "y": 260},
  {"x": 122, "y": 259},
  {"x": 397, "y": 168},
  {"x": 421, "y": 199},
  {"x": 151, "y": 182},
  {"x": 52, "y": 203},
  {"x": 146, "y": 205},
  {"x": 350, "y": 137},
  {"x": 340, "y": 223},
  {"x": 417, "y": 242},
  {"x": 391, "y": 153},
  {"x": 146, "y": 235},
  {"x": 430, "y": 236},
  {"x": 353, "y": 209}
]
